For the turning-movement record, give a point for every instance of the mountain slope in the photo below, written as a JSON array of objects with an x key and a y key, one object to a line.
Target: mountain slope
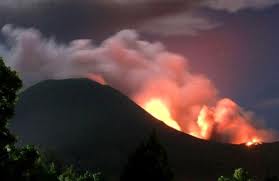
[{"x": 97, "y": 127}]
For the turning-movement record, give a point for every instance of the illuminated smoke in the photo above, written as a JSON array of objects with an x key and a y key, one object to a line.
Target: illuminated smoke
[{"x": 159, "y": 81}]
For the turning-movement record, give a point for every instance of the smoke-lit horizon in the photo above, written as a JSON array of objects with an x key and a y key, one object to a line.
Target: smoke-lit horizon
[{"x": 158, "y": 80}]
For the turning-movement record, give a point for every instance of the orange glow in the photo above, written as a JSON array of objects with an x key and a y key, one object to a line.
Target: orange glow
[
  {"x": 226, "y": 119},
  {"x": 254, "y": 141},
  {"x": 159, "y": 110},
  {"x": 204, "y": 124},
  {"x": 97, "y": 78},
  {"x": 211, "y": 120}
]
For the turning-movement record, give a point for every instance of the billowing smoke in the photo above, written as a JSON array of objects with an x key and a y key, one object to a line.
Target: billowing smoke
[{"x": 159, "y": 81}]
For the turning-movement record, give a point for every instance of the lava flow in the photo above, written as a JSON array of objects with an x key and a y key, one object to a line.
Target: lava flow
[
  {"x": 211, "y": 122},
  {"x": 160, "y": 111},
  {"x": 254, "y": 141}
]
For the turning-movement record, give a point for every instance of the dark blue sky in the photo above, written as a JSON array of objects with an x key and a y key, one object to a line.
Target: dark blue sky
[{"x": 235, "y": 45}]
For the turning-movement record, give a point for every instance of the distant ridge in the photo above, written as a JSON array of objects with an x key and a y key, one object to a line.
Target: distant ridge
[{"x": 96, "y": 127}]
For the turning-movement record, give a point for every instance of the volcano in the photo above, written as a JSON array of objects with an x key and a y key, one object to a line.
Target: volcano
[{"x": 94, "y": 126}]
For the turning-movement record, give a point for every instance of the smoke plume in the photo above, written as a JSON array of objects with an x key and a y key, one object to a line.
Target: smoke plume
[{"x": 159, "y": 81}]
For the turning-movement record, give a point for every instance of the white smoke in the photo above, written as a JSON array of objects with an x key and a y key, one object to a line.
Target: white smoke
[{"x": 123, "y": 60}]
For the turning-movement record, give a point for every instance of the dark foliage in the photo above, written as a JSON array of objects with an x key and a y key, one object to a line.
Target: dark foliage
[
  {"x": 9, "y": 86},
  {"x": 274, "y": 178},
  {"x": 149, "y": 162},
  {"x": 239, "y": 175}
]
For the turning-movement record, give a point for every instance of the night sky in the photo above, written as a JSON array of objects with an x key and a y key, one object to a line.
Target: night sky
[{"x": 234, "y": 42}]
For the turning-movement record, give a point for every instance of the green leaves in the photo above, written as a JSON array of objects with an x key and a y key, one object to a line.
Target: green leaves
[
  {"x": 71, "y": 175},
  {"x": 239, "y": 175}
]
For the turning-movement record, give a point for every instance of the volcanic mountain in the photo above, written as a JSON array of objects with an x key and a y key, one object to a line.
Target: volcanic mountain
[{"x": 95, "y": 127}]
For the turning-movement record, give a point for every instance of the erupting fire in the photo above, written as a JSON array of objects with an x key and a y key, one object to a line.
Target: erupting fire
[
  {"x": 222, "y": 121},
  {"x": 204, "y": 125},
  {"x": 159, "y": 110},
  {"x": 254, "y": 141}
]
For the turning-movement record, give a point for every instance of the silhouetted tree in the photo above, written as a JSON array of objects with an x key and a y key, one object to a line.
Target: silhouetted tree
[
  {"x": 274, "y": 178},
  {"x": 13, "y": 163},
  {"x": 239, "y": 175},
  {"x": 9, "y": 85},
  {"x": 149, "y": 162}
]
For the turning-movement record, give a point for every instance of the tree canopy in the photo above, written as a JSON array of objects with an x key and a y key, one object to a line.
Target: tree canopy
[{"x": 149, "y": 162}]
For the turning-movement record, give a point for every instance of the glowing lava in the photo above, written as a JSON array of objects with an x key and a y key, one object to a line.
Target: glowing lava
[
  {"x": 211, "y": 122},
  {"x": 204, "y": 124},
  {"x": 254, "y": 141},
  {"x": 159, "y": 110}
]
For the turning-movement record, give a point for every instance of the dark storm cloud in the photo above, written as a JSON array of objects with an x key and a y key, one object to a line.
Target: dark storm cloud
[
  {"x": 98, "y": 19},
  {"x": 237, "y": 5},
  {"x": 70, "y": 19},
  {"x": 63, "y": 19}
]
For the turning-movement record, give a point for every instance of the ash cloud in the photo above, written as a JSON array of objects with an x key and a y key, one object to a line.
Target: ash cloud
[
  {"x": 142, "y": 70},
  {"x": 179, "y": 24}
]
